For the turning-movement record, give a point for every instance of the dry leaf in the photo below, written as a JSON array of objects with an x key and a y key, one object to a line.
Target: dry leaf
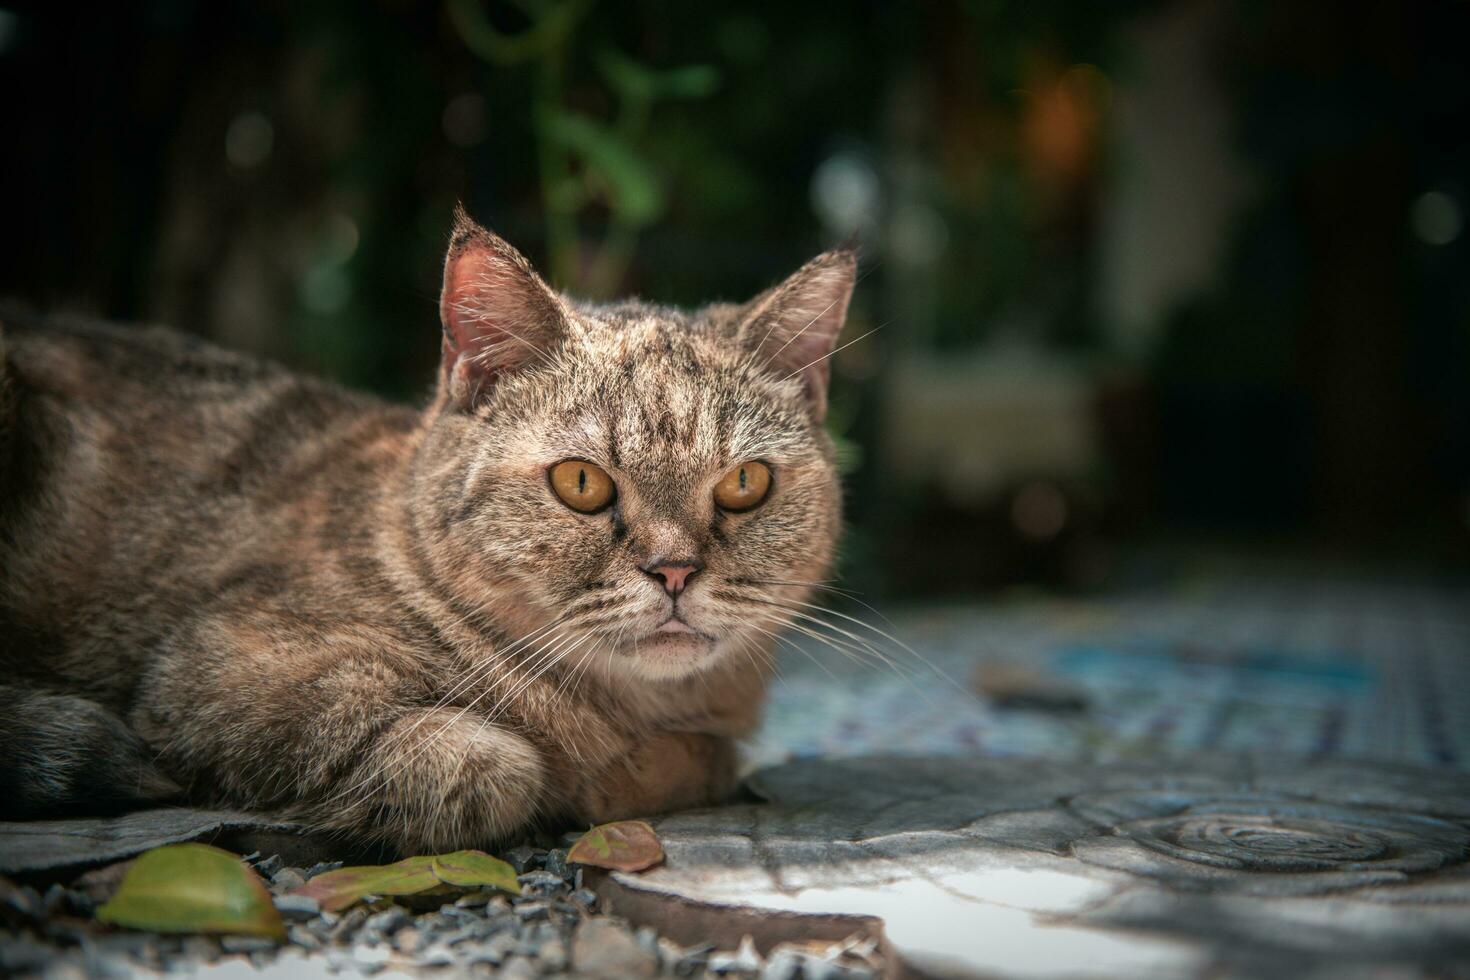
[
  {"x": 628, "y": 845},
  {"x": 336, "y": 890}
]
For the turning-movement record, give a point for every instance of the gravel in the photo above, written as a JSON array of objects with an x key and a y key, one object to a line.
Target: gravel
[{"x": 553, "y": 928}]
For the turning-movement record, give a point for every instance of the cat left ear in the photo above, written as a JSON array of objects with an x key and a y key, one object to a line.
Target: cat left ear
[
  {"x": 497, "y": 314},
  {"x": 792, "y": 327}
]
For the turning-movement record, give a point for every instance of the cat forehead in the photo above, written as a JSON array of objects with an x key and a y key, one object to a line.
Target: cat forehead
[{"x": 641, "y": 382}]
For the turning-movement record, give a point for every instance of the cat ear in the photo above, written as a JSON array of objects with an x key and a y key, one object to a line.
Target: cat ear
[
  {"x": 791, "y": 328},
  {"x": 497, "y": 313}
]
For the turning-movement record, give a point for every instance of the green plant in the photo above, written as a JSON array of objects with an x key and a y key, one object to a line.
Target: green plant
[{"x": 586, "y": 162}]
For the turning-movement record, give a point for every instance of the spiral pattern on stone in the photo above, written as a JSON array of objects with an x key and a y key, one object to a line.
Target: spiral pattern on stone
[{"x": 1265, "y": 834}]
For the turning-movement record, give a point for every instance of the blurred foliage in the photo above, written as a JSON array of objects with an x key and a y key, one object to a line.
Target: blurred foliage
[
  {"x": 585, "y": 160},
  {"x": 280, "y": 177}
]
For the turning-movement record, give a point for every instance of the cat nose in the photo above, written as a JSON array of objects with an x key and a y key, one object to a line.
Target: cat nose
[{"x": 674, "y": 572}]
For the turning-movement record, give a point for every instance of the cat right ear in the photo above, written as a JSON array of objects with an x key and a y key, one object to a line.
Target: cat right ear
[{"x": 497, "y": 314}]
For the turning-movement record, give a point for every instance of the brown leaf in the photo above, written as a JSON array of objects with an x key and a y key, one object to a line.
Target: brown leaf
[{"x": 627, "y": 845}]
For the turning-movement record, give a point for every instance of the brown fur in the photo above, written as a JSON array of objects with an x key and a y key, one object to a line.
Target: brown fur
[{"x": 276, "y": 593}]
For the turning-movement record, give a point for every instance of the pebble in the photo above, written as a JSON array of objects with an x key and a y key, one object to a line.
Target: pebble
[
  {"x": 541, "y": 883},
  {"x": 527, "y": 911},
  {"x": 19, "y": 902},
  {"x": 286, "y": 879},
  {"x": 457, "y": 913},
  {"x": 683, "y": 961},
  {"x": 268, "y": 866},
  {"x": 552, "y": 928},
  {"x": 303, "y": 936},
  {"x": 604, "y": 949},
  {"x": 744, "y": 960},
  {"x": 556, "y": 863},
  {"x": 351, "y": 921},
  {"x": 22, "y": 955},
  {"x": 54, "y": 897},
  {"x": 522, "y": 858},
  {"x": 436, "y": 956},
  {"x": 339, "y": 960},
  {"x": 297, "y": 908},
  {"x": 784, "y": 964},
  {"x": 493, "y": 951},
  {"x": 371, "y": 959},
  {"x": 100, "y": 883},
  {"x": 388, "y": 921},
  {"x": 518, "y": 968},
  {"x": 474, "y": 900},
  {"x": 553, "y": 955},
  {"x": 205, "y": 948}
]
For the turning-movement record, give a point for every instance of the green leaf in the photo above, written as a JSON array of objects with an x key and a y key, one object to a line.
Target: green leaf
[
  {"x": 628, "y": 845},
  {"x": 193, "y": 888},
  {"x": 476, "y": 869},
  {"x": 336, "y": 890},
  {"x": 638, "y": 82},
  {"x": 689, "y": 82},
  {"x": 634, "y": 190}
]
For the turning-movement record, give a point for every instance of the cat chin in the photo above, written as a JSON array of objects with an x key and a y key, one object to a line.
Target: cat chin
[{"x": 670, "y": 656}]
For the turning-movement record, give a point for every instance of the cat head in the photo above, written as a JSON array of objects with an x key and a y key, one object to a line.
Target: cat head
[{"x": 645, "y": 486}]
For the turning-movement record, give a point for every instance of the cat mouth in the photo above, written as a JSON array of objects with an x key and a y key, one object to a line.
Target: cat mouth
[
  {"x": 676, "y": 631},
  {"x": 675, "y": 625}
]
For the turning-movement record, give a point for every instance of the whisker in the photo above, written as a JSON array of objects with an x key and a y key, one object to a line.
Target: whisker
[{"x": 835, "y": 351}]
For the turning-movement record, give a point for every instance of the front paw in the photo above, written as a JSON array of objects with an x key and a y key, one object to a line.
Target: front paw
[{"x": 672, "y": 771}]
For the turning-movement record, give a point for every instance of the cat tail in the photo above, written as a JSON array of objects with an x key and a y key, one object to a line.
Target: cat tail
[{"x": 67, "y": 756}]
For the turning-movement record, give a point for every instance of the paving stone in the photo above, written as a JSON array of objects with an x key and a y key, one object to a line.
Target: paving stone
[
  {"x": 1020, "y": 867},
  {"x": 42, "y": 845}
]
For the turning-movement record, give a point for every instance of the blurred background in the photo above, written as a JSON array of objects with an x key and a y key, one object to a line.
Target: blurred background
[{"x": 1155, "y": 278}]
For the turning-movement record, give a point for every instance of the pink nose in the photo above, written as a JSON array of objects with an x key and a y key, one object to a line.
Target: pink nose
[{"x": 674, "y": 572}]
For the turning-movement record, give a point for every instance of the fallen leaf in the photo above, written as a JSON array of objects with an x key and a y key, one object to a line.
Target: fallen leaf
[
  {"x": 476, "y": 869},
  {"x": 193, "y": 888},
  {"x": 627, "y": 845},
  {"x": 336, "y": 890}
]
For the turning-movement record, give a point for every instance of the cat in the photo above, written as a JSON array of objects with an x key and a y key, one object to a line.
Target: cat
[{"x": 552, "y": 594}]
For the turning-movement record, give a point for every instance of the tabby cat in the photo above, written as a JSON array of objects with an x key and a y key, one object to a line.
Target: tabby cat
[{"x": 550, "y": 595}]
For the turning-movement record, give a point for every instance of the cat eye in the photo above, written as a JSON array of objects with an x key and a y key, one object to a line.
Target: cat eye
[
  {"x": 743, "y": 487},
  {"x": 582, "y": 486}
]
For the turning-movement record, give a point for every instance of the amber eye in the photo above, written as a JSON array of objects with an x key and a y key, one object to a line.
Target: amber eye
[
  {"x": 582, "y": 485},
  {"x": 744, "y": 486}
]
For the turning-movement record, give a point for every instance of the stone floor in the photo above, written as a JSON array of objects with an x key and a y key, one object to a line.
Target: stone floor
[
  {"x": 1243, "y": 774},
  {"x": 981, "y": 868}
]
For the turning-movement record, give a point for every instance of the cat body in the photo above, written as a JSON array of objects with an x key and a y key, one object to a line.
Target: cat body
[{"x": 225, "y": 583}]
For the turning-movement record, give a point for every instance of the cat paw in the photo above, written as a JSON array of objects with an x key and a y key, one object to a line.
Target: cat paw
[{"x": 444, "y": 779}]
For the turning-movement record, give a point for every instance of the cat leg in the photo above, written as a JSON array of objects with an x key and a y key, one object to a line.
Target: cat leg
[
  {"x": 62, "y": 755},
  {"x": 669, "y": 771},
  {"x": 338, "y": 725}
]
